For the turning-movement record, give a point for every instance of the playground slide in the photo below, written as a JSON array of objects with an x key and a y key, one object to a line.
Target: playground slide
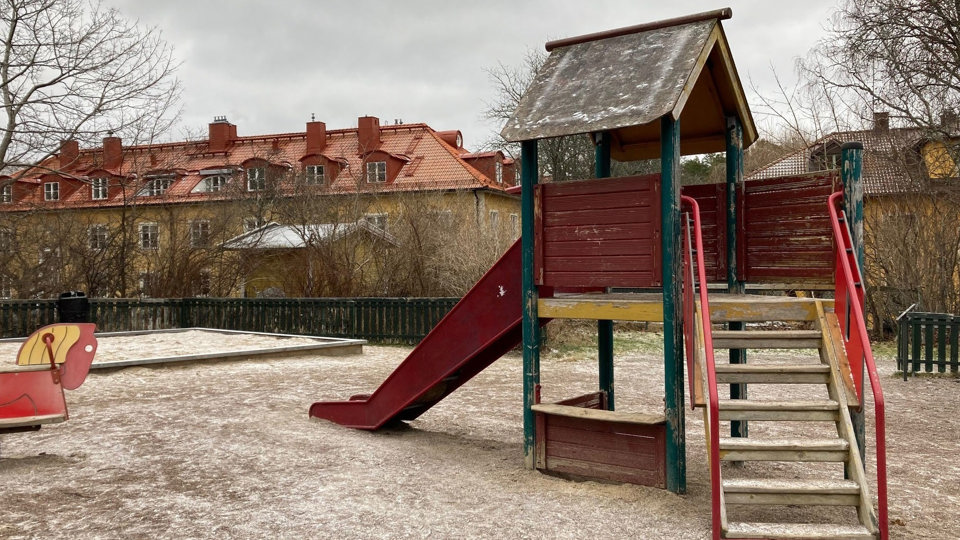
[{"x": 481, "y": 328}]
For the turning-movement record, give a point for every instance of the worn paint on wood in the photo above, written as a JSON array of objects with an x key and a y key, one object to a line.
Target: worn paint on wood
[
  {"x": 598, "y": 233},
  {"x": 600, "y": 444},
  {"x": 711, "y": 199}
]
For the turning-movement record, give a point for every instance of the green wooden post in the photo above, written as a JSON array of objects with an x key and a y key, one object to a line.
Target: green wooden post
[
  {"x": 604, "y": 328},
  {"x": 851, "y": 155},
  {"x": 734, "y": 136},
  {"x": 672, "y": 305},
  {"x": 531, "y": 323}
]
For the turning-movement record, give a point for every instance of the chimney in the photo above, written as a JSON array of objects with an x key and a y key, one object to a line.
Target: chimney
[
  {"x": 368, "y": 133},
  {"x": 881, "y": 121},
  {"x": 316, "y": 137},
  {"x": 949, "y": 121},
  {"x": 222, "y": 134},
  {"x": 69, "y": 153},
  {"x": 112, "y": 152}
]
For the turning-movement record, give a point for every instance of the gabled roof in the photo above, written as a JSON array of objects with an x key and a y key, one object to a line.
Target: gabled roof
[
  {"x": 886, "y": 154},
  {"x": 626, "y": 80},
  {"x": 276, "y": 236}
]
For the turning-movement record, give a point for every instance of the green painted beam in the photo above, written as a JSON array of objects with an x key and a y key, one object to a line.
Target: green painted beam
[
  {"x": 531, "y": 324},
  {"x": 851, "y": 157},
  {"x": 734, "y": 136},
  {"x": 604, "y": 328},
  {"x": 676, "y": 466}
]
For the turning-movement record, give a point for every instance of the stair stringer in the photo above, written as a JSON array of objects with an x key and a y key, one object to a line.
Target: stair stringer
[
  {"x": 700, "y": 363},
  {"x": 831, "y": 354}
]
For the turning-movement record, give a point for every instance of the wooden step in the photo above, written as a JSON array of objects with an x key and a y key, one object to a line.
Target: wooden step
[
  {"x": 767, "y": 339},
  {"x": 796, "y": 531},
  {"x": 761, "y": 308},
  {"x": 746, "y": 409},
  {"x": 777, "y": 374},
  {"x": 791, "y": 492},
  {"x": 808, "y": 450},
  {"x": 24, "y": 421}
]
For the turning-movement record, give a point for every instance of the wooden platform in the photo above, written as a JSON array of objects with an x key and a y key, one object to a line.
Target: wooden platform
[{"x": 648, "y": 307}]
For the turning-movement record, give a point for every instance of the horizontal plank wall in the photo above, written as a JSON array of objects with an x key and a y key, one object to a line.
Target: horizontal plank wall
[
  {"x": 713, "y": 222},
  {"x": 785, "y": 229},
  {"x": 598, "y": 233}
]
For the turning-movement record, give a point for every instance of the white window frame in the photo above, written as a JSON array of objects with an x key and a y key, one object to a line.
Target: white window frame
[
  {"x": 6, "y": 194},
  {"x": 6, "y": 287},
  {"x": 315, "y": 175},
  {"x": 256, "y": 178},
  {"x": 7, "y": 239},
  {"x": 99, "y": 189},
  {"x": 97, "y": 237},
  {"x": 145, "y": 282},
  {"x": 211, "y": 184},
  {"x": 495, "y": 221},
  {"x": 51, "y": 191},
  {"x": 376, "y": 172},
  {"x": 515, "y": 225},
  {"x": 156, "y": 186},
  {"x": 378, "y": 220},
  {"x": 199, "y": 233},
  {"x": 498, "y": 171},
  {"x": 148, "y": 236}
]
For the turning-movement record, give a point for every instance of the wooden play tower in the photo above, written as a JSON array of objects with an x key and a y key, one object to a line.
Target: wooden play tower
[{"x": 615, "y": 249}]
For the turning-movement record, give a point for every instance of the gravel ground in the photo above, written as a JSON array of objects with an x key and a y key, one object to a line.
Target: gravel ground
[{"x": 226, "y": 450}]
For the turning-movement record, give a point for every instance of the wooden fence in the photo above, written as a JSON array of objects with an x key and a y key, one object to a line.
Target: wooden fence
[
  {"x": 380, "y": 320},
  {"x": 925, "y": 340}
]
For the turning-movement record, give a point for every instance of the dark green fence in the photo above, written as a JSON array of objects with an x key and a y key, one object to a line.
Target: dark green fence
[
  {"x": 925, "y": 340},
  {"x": 381, "y": 320}
]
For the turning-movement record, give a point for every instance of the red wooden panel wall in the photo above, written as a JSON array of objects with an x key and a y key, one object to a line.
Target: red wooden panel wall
[
  {"x": 786, "y": 229},
  {"x": 599, "y": 233},
  {"x": 712, "y": 200}
]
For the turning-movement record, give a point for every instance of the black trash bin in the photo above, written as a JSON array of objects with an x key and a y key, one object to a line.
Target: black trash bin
[{"x": 74, "y": 307}]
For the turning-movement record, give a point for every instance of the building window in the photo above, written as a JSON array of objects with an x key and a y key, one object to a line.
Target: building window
[
  {"x": 495, "y": 221},
  {"x": 252, "y": 224},
  {"x": 98, "y": 189},
  {"x": 377, "y": 220},
  {"x": 315, "y": 175},
  {"x": 498, "y": 169},
  {"x": 515, "y": 225},
  {"x": 203, "y": 285},
  {"x": 199, "y": 233},
  {"x": 6, "y": 287},
  {"x": 6, "y": 194},
  {"x": 51, "y": 191},
  {"x": 97, "y": 237},
  {"x": 156, "y": 187},
  {"x": 377, "y": 171},
  {"x": 256, "y": 179},
  {"x": 6, "y": 240},
  {"x": 211, "y": 184},
  {"x": 149, "y": 236},
  {"x": 147, "y": 283}
]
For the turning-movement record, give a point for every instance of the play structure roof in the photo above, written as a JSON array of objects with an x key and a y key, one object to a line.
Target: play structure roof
[{"x": 625, "y": 80}]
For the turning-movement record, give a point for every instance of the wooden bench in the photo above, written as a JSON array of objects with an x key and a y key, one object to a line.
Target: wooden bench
[
  {"x": 54, "y": 358},
  {"x": 579, "y": 438}
]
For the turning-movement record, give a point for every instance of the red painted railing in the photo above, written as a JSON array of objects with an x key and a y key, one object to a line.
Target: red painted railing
[
  {"x": 849, "y": 286},
  {"x": 694, "y": 274}
]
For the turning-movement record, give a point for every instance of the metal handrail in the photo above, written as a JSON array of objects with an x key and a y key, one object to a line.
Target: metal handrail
[
  {"x": 857, "y": 345},
  {"x": 714, "y": 400}
]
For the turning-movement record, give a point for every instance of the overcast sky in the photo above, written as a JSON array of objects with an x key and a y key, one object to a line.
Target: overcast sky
[{"x": 269, "y": 65}]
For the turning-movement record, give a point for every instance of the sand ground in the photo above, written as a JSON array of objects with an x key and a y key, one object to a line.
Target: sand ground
[{"x": 226, "y": 450}]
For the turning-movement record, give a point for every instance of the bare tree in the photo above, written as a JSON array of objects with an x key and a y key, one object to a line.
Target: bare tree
[{"x": 76, "y": 70}]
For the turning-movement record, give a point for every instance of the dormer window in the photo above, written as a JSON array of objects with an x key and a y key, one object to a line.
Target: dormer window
[
  {"x": 314, "y": 175},
  {"x": 377, "y": 171},
  {"x": 156, "y": 186},
  {"x": 51, "y": 191},
  {"x": 98, "y": 189},
  {"x": 211, "y": 184},
  {"x": 498, "y": 169},
  {"x": 256, "y": 179},
  {"x": 6, "y": 194}
]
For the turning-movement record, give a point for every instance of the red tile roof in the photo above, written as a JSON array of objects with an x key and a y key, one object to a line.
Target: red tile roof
[{"x": 428, "y": 164}]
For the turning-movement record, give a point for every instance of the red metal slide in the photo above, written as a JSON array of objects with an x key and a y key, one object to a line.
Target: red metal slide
[{"x": 481, "y": 328}]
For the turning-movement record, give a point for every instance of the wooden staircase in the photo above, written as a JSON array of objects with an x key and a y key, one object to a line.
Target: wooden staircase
[{"x": 801, "y": 454}]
